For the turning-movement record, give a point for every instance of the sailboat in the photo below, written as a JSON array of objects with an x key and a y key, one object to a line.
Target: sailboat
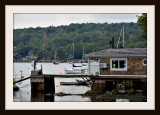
[
  {"x": 70, "y": 57},
  {"x": 55, "y": 61},
  {"x": 83, "y": 64},
  {"x": 75, "y": 69}
]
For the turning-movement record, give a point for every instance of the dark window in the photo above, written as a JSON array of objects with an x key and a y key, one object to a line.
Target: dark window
[
  {"x": 121, "y": 63},
  {"x": 115, "y": 64}
]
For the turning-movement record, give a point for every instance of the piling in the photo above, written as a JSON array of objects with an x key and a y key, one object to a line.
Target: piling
[
  {"x": 37, "y": 81},
  {"x": 49, "y": 85}
]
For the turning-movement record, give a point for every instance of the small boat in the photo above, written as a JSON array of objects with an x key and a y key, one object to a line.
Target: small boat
[
  {"x": 76, "y": 65},
  {"x": 71, "y": 56},
  {"x": 75, "y": 83},
  {"x": 56, "y": 62},
  {"x": 73, "y": 71}
]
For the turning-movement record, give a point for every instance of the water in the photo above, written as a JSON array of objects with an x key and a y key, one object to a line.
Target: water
[{"x": 24, "y": 93}]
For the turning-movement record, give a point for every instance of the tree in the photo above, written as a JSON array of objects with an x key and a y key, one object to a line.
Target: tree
[
  {"x": 93, "y": 36},
  {"x": 142, "y": 21}
]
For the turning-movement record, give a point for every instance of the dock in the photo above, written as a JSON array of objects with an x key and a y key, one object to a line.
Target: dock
[
  {"x": 46, "y": 82},
  {"x": 65, "y": 75}
]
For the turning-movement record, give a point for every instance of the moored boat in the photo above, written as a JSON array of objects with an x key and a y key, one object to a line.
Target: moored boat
[
  {"x": 76, "y": 65},
  {"x": 55, "y": 61},
  {"x": 73, "y": 71}
]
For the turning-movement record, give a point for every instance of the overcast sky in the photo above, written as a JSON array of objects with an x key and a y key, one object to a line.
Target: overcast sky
[{"x": 45, "y": 20}]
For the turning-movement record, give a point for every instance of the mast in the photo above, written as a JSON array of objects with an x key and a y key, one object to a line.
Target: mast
[
  {"x": 73, "y": 51},
  {"x": 122, "y": 30},
  {"x": 55, "y": 55},
  {"x": 123, "y": 36},
  {"x": 43, "y": 48},
  {"x": 83, "y": 53}
]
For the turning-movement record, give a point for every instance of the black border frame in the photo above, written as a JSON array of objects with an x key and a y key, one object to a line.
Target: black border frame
[{"x": 71, "y": 2}]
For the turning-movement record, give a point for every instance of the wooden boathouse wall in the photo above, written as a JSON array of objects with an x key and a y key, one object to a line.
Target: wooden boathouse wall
[{"x": 134, "y": 67}]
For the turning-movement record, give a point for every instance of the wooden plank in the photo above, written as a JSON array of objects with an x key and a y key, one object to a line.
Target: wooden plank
[{"x": 64, "y": 75}]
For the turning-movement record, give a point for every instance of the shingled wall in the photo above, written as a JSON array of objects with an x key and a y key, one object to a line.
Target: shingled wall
[{"x": 134, "y": 67}]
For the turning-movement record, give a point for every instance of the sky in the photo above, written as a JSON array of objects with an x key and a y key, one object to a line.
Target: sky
[{"x": 46, "y": 20}]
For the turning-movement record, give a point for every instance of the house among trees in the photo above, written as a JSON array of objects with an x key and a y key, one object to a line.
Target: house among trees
[{"x": 121, "y": 63}]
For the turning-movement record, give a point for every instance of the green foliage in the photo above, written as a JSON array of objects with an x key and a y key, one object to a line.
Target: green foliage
[
  {"x": 131, "y": 91},
  {"x": 93, "y": 36},
  {"x": 142, "y": 21}
]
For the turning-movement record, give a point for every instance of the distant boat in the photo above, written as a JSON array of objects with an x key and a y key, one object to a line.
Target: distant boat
[
  {"x": 83, "y": 64},
  {"x": 73, "y": 71},
  {"x": 76, "y": 65},
  {"x": 55, "y": 62},
  {"x": 71, "y": 56}
]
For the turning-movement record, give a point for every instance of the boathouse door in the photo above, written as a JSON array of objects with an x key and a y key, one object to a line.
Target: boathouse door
[{"x": 109, "y": 85}]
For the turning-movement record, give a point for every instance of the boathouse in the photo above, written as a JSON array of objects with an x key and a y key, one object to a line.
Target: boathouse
[{"x": 129, "y": 64}]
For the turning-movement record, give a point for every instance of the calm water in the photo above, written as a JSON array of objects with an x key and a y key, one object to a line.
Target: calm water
[{"x": 24, "y": 93}]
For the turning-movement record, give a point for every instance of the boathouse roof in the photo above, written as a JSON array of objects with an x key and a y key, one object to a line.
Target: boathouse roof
[{"x": 119, "y": 53}]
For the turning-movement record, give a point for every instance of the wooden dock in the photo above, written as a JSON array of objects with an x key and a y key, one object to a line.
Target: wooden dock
[
  {"x": 46, "y": 82},
  {"x": 64, "y": 75}
]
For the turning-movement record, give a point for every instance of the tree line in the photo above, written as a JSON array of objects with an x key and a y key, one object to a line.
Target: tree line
[{"x": 93, "y": 36}]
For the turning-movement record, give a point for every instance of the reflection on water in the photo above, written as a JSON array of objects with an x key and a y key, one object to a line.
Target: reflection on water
[
  {"x": 41, "y": 97},
  {"x": 24, "y": 94},
  {"x": 102, "y": 99},
  {"x": 74, "y": 98},
  {"x": 122, "y": 100}
]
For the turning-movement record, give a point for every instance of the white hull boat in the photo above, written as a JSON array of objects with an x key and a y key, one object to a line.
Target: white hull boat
[{"x": 73, "y": 71}]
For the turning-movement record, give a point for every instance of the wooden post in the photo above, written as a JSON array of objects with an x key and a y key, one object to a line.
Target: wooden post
[
  {"x": 131, "y": 85},
  {"x": 127, "y": 85},
  {"x": 37, "y": 81},
  {"x": 49, "y": 85},
  {"x": 114, "y": 84}
]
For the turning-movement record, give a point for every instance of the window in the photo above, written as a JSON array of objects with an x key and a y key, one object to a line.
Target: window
[
  {"x": 118, "y": 64},
  {"x": 144, "y": 62}
]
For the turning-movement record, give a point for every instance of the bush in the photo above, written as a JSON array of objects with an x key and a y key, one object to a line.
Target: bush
[{"x": 114, "y": 92}]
